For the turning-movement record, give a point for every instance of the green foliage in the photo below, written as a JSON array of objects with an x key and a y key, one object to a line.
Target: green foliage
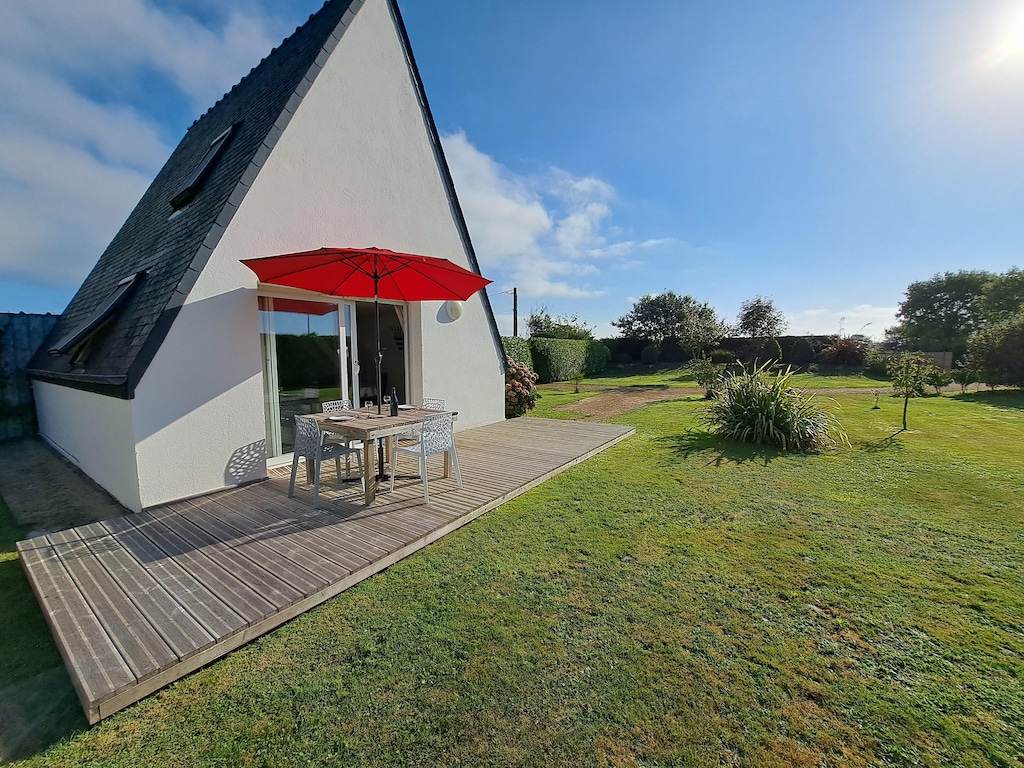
[
  {"x": 845, "y": 350},
  {"x": 876, "y": 363},
  {"x": 520, "y": 389},
  {"x": 800, "y": 353},
  {"x": 998, "y": 351},
  {"x": 541, "y": 324},
  {"x": 598, "y": 357},
  {"x": 558, "y": 359},
  {"x": 649, "y": 355},
  {"x": 307, "y": 360},
  {"x": 938, "y": 315},
  {"x": 909, "y": 374},
  {"x": 965, "y": 373},
  {"x": 1003, "y": 296},
  {"x": 762, "y": 408},
  {"x": 759, "y": 318},
  {"x": 518, "y": 349},
  {"x": 707, "y": 374},
  {"x": 722, "y": 357},
  {"x": 762, "y": 351},
  {"x": 938, "y": 378},
  {"x": 694, "y": 325}
]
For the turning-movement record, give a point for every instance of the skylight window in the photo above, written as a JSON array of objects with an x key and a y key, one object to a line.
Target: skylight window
[
  {"x": 104, "y": 312},
  {"x": 195, "y": 183}
]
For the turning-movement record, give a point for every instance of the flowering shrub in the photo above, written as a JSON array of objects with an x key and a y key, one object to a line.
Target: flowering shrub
[{"x": 520, "y": 389}]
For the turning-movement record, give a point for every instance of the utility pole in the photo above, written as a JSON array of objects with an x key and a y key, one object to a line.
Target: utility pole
[{"x": 515, "y": 310}]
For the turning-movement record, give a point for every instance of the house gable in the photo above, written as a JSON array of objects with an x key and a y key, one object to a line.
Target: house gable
[{"x": 172, "y": 246}]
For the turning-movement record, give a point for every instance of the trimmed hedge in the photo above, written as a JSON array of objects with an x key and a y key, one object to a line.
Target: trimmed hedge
[
  {"x": 558, "y": 359},
  {"x": 598, "y": 357},
  {"x": 518, "y": 350}
]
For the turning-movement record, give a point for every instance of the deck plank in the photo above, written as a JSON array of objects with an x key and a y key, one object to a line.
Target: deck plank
[{"x": 139, "y": 601}]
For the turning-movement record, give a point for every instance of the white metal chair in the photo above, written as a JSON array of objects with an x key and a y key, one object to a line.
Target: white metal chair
[
  {"x": 429, "y": 404},
  {"x": 309, "y": 444},
  {"x": 336, "y": 406},
  {"x": 437, "y": 435}
]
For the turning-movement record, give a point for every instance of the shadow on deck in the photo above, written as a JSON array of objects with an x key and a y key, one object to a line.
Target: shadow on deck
[{"x": 137, "y": 602}]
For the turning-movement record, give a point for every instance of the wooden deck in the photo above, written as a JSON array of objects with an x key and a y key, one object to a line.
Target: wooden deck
[{"x": 139, "y": 601}]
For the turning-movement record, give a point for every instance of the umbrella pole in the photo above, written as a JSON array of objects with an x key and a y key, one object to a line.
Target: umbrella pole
[{"x": 380, "y": 392}]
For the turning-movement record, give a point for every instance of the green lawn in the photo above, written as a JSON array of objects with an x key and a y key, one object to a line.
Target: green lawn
[
  {"x": 679, "y": 376},
  {"x": 676, "y": 600}
]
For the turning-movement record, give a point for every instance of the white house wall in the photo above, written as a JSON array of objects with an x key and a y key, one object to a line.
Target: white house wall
[
  {"x": 95, "y": 433},
  {"x": 354, "y": 167}
]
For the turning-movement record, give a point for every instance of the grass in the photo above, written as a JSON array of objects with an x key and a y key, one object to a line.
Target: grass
[
  {"x": 677, "y": 600},
  {"x": 667, "y": 375}
]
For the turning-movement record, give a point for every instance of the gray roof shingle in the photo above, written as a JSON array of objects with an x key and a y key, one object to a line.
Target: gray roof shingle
[{"x": 172, "y": 247}]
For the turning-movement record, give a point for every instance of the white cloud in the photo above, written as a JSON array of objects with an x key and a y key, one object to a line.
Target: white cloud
[
  {"x": 548, "y": 234},
  {"x": 77, "y": 154},
  {"x": 864, "y": 318}
]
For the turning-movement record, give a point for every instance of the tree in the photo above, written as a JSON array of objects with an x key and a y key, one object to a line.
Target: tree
[
  {"x": 541, "y": 324},
  {"x": 759, "y": 318},
  {"x": 694, "y": 325},
  {"x": 1003, "y": 296},
  {"x": 997, "y": 351},
  {"x": 941, "y": 313},
  {"x": 909, "y": 377}
]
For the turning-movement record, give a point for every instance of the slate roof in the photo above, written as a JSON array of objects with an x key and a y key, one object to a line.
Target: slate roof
[{"x": 172, "y": 247}]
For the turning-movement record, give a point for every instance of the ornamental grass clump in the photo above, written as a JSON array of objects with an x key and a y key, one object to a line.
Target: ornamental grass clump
[
  {"x": 520, "y": 389},
  {"x": 761, "y": 407}
]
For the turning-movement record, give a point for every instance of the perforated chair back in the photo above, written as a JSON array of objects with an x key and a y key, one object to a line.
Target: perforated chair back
[
  {"x": 307, "y": 438},
  {"x": 437, "y": 433},
  {"x": 433, "y": 404},
  {"x": 333, "y": 406}
]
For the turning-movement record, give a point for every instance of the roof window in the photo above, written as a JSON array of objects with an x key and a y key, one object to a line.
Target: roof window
[
  {"x": 195, "y": 182},
  {"x": 104, "y": 312}
]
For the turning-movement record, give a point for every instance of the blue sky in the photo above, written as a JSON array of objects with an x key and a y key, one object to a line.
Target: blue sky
[{"x": 825, "y": 154}]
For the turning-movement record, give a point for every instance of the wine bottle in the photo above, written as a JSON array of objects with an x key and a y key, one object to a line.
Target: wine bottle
[{"x": 394, "y": 402}]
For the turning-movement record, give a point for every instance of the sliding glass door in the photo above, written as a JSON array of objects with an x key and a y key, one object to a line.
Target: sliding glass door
[{"x": 304, "y": 344}]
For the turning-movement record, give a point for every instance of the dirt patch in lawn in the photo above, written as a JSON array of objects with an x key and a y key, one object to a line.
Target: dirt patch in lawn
[{"x": 608, "y": 402}]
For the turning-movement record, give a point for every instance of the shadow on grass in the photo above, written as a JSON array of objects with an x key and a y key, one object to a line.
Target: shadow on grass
[
  {"x": 1012, "y": 399},
  {"x": 883, "y": 445},
  {"x": 723, "y": 451},
  {"x": 38, "y": 705}
]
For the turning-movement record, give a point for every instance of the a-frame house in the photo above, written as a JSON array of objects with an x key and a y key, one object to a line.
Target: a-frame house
[{"x": 172, "y": 372}]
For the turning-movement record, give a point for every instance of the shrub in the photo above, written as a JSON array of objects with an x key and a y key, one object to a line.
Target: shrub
[
  {"x": 520, "y": 389},
  {"x": 965, "y": 374},
  {"x": 707, "y": 374},
  {"x": 598, "y": 357},
  {"x": 877, "y": 363},
  {"x": 760, "y": 407},
  {"x": 649, "y": 355},
  {"x": 558, "y": 359},
  {"x": 998, "y": 351},
  {"x": 937, "y": 378},
  {"x": 722, "y": 357},
  {"x": 845, "y": 350},
  {"x": 800, "y": 353},
  {"x": 771, "y": 350},
  {"x": 518, "y": 349}
]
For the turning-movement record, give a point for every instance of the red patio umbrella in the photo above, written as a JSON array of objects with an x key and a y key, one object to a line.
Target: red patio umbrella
[{"x": 366, "y": 272}]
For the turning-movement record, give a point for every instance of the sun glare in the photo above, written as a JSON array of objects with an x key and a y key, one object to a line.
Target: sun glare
[{"x": 1009, "y": 37}]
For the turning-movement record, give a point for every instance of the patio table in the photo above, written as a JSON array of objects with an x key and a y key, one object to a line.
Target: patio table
[{"x": 368, "y": 427}]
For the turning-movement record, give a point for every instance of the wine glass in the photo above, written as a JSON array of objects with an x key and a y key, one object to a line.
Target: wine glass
[
  {"x": 387, "y": 402},
  {"x": 367, "y": 404}
]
